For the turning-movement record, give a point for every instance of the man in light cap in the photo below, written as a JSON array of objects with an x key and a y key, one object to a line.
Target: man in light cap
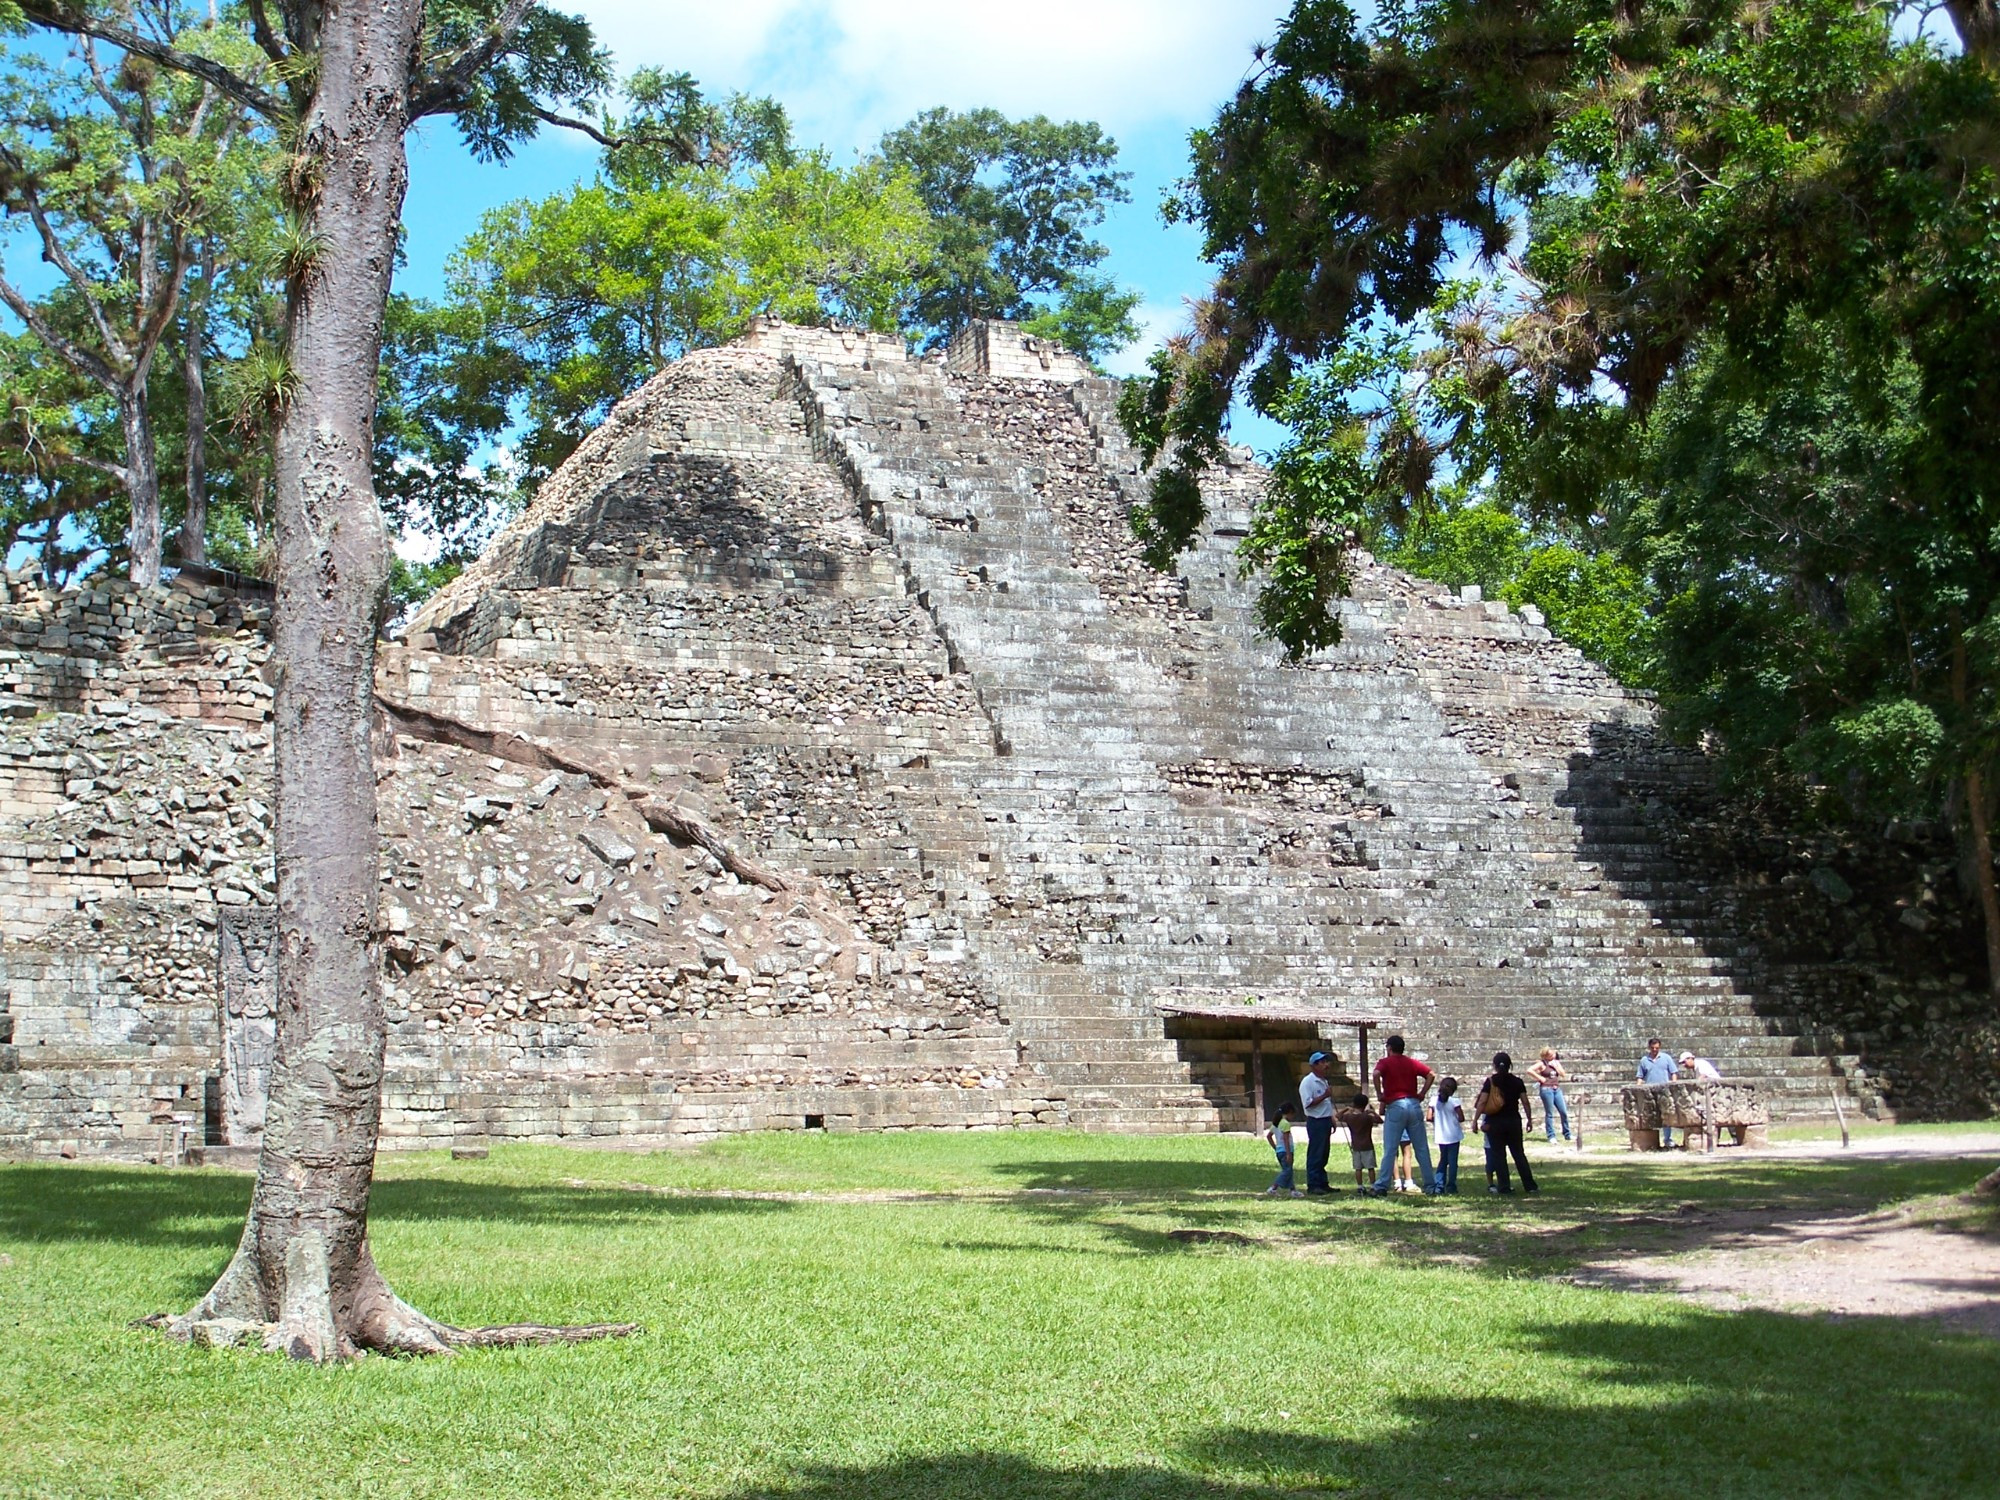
[
  {"x": 1701, "y": 1067},
  {"x": 1316, "y": 1099}
]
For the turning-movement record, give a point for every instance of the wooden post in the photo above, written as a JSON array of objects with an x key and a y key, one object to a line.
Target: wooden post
[
  {"x": 1361, "y": 1031},
  {"x": 1257, "y": 1074}
]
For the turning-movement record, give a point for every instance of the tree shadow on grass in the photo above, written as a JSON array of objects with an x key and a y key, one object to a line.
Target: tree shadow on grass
[
  {"x": 1585, "y": 1209},
  {"x": 1748, "y": 1404},
  {"x": 1721, "y": 1404},
  {"x": 143, "y": 1206},
  {"x": 1100, "y": 1176}
]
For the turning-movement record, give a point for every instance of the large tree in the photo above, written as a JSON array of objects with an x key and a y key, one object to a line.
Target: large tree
[
  {"x": 559, "y": 306},
  {"x": 1016, "y": 202},
  {"x": 347, "y": 79},
  {"x": 115, "y": 165},
  {"x": 1758, "y": 234}
]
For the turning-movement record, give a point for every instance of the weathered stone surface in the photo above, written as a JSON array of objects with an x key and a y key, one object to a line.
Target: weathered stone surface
[
  {"x": 608, "y": 847},
  {"x": 881, "y": 627}
]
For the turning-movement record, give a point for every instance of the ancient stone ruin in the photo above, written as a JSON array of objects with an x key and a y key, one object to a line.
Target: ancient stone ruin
[{"x": 817, "y": 751}]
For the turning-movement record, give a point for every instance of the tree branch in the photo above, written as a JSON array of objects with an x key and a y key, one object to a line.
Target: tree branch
[
  {"x": 260, "y": 30},
  {"x": 104, "y": 90},
  {"x": 672, "y": 140},
  {"x": 78, "y": 358},
  {"x": 584, "y": 127},
  {"x": 440, "y": 86},
  {"x": 55, "y": 15},
  {"x": 99, "y": 465},
  {"x": 57, "y": 255}
]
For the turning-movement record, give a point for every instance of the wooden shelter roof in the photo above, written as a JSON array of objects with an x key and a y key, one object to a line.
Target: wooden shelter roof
[{"x": 1214, "y": 1008}]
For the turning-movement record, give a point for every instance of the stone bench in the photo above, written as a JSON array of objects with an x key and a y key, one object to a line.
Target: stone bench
[{"x": 1697, "y": 1107}]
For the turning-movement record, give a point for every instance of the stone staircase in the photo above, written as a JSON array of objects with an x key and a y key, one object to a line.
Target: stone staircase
[
  {"x": 882, "y": 625},
  {"x": 1473, "y": 911}
]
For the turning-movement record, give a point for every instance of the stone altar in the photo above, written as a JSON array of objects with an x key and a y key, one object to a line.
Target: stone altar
[{"x": 1697, "y": 1107}]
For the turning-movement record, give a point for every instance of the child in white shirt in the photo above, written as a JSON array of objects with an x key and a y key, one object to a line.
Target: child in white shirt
[{"x": 1448, "y": 1115}]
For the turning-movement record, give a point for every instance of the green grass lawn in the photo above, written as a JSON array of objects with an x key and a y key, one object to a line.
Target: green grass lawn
[{"x": 1008, "y": 1315}]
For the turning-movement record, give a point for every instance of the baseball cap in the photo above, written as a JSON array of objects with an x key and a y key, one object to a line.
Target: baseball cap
[
  {"x": 1318, "y": 1057},
  {"x": 1685, "y": 1057}
]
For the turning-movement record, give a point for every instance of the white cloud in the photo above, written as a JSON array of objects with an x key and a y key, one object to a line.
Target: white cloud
[
  {"x": 849, "y": 69},
  {"x": 1158, "y": 321}
]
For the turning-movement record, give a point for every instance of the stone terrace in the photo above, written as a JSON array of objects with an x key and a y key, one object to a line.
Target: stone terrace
[{"x": 878, "y": 626}]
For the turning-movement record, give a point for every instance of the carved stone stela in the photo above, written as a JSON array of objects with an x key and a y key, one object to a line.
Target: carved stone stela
[{"x": 249, "y": 938}]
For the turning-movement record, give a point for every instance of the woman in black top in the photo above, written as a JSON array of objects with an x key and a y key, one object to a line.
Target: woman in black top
[{"x": 1503, "y": 1129}]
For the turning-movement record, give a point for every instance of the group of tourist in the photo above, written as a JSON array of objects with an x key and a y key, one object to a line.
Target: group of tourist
[{"x": 1500, "y": 1112}]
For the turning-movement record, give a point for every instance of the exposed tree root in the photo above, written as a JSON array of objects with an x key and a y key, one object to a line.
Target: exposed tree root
[
  {"x": 306, "y": 1317},
  {"x": 674, "y": 821},
  {"x": 679, "y": 824},
  {"x": 507, "y": 1335}
]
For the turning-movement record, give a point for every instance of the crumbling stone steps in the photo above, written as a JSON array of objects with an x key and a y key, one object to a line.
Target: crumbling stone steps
[{"x": 1052, "y": 704}]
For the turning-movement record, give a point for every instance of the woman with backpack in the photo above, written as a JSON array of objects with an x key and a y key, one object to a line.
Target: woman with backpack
[{"x": 1504, "y": 1114}]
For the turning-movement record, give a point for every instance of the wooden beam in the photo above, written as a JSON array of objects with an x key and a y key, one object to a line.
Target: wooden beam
[{"x": 1257, "y": 1072}]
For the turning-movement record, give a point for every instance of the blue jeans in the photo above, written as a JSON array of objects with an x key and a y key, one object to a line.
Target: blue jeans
[
  {"x": 1282, "y": 1183},
  {"x": 1554, "y": 1104},
  {"x": 1319, "y": 1146},
  {"x": 1404, "y": 1117},
  {"x": 1447, "y": 1178}
]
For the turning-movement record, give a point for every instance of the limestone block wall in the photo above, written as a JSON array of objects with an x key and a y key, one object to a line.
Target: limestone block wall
[
  {"x": 134, "y": 797},
  {"x": 992, "y": 348},
  {"x": 973, "y": 789}
]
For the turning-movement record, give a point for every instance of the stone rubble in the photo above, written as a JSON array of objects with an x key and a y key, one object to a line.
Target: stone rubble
[{"x": 880, "y": 626}]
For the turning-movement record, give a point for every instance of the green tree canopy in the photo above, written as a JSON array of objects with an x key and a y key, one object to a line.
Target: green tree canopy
[
  {"x": 1750, "y": 337},
  {"x": 1015, "y": 202},
  {"x": 119, "y": 172},
  {"x": 558, "y": 307}
]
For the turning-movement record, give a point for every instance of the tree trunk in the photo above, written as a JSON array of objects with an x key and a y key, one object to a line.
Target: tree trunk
[
  {"x": 303, "y": 1264},
  {"x": 1980, "y": 815},
  {"x": 303, "y": 1273},
  {"x": 142, "y": 484},
  {"x": 194, "y": 525}
]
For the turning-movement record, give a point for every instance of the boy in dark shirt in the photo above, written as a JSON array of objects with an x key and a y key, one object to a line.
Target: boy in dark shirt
[{"x": 1360, "y": 1121}]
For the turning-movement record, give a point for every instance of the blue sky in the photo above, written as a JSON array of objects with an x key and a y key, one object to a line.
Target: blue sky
[{"x": 1149, "y": 71}]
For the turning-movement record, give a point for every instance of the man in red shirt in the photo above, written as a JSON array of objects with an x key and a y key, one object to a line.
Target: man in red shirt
[{"x": 1401, "y": 1083}]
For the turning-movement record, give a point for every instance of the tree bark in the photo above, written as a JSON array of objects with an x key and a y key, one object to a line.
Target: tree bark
[
  {"x": 1978, "y": 25},
  {"x": 142, "y": 483},
  {"x": 194, "y": 524},
  {"x": 303, "y": 1271},
  {"x": 304, "y": 1264}
]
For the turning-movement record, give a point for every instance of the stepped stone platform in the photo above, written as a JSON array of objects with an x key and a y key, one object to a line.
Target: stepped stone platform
[{"x": 816, "y": 752}]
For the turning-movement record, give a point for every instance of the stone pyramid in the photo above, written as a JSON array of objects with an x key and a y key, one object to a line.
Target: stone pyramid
[{"x": 817, "y": 751}]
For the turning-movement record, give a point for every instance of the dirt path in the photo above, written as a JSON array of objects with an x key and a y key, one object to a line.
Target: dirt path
[{"x": 1901, "y": 1262}]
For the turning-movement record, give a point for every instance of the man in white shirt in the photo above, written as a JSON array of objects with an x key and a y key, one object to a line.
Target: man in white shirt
[
  {"x": 1316, "y": 1099},
  {"x": 1701, "y": 1067}
]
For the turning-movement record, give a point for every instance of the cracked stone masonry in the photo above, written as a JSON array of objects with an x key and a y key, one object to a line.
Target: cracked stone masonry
[{"x": 817, "y": 750}]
